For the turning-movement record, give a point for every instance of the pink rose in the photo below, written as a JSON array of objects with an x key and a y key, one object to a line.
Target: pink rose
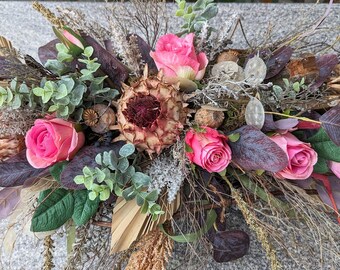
[
  {"x": 177, "y": 57},
  {"x": 208, "y": 149},
  {"x": 301, "y": 157},
  {"x": 52, "y": 140}
]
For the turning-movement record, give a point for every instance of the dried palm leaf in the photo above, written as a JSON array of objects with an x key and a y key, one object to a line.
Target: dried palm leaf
[
  {"x": 6, "y": 47},
  {"x": 129, "y": 224}
]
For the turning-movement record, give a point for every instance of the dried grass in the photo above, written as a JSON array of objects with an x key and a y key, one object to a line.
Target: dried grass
[{"x": 152, "y": 252}]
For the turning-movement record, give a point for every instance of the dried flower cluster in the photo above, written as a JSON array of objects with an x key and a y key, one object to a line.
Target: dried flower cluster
[
  {"x": 166, "y": 174},
  {"x": 153, "y": 252}
]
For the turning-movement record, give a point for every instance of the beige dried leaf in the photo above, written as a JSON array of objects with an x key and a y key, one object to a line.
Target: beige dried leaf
[
  {"x": 9, "y": 240},
  {"x": 129, "y": 224}
]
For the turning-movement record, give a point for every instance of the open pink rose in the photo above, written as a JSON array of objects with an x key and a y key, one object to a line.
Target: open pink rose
[
  {"x": 208, "y": 149},
  {"x": 52, "y": 140},
  {"x": 177, "y": 57},
  {"x": 301, "y": 157}
]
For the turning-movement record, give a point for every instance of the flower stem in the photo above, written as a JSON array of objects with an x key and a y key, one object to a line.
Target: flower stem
[{"x": 295, "y": 117}]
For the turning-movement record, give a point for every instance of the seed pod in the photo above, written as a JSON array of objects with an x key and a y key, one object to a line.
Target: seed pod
[
  {"x": 254, "y": 114},
  {"x": 255, "y": 71},
  {"x": 209, "y": 118},
  {"x": 100, "y": 118},
  {"x": 10, "y": 146},
  {"x": 229, "y": 55}
]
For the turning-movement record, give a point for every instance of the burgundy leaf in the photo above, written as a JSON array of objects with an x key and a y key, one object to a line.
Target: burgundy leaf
[
  {"x": 328, "y": 188},
  {"x": 16, "y": 171},
  {"x": 256, "y": 151},
  {"x": 335, "y": 187},
  {"x": 229, "y": 245},
  {"x": 326, "y": 63},
  {"x": 110, "y": 65},
  {"x": 278, "y": 61},
  {"x": 145, "y": 50},
  {"x": 48, "y": 51},
  {"x": 85, "y": 157},
  {"x": 331, "y": 123}
]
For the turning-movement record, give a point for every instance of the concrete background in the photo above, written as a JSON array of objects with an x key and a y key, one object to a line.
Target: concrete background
[{"x": 28, "y": 30}]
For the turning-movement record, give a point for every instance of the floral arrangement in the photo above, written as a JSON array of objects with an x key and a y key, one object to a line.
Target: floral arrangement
[{"x": 159, "y": 138}]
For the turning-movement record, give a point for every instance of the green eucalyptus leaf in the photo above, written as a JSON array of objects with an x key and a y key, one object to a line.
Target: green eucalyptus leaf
[
  {"x": 98, "y": 159},
  {"x": 152, "y": 196},
  {"x": 16, "y": 104},
  {"x": 88, "y": 51},
  {"x": 127, "y": 150},
  {"x": 100, "y": 175},
  {"x": 210, "y": 12},
  {"x": 93, "y": 195},
  {"x": 23, "y": 89},
  {"x": 129, "y": 193},
  {"x": 105, "y": 194},
  {"x": 61, "y": 92},
  {"x": 123, "y": 164},
  {"x": 79, "y": 179},
  {"x": 141, "y": 180}
]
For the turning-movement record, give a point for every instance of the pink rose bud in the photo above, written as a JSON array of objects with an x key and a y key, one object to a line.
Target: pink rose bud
[
  {"x": 301, "y": 157},
  {"x": 73, "y": 41},
  {"x": 208, "y": 149},
  {"x": 178, "y": 59},
  {"x": 52, "y": 140}
]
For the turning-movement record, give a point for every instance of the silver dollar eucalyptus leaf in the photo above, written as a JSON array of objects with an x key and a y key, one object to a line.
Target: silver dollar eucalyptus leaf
[
  {"x": 255, "y": 71},
  {"x": 255, "y": 113}
]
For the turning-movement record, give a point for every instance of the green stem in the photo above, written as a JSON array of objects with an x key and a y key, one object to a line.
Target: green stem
[{"x": 70, "y": 236}]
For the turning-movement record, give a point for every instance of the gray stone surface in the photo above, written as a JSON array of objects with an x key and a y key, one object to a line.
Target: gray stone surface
[{"x": 28, "y": 30}]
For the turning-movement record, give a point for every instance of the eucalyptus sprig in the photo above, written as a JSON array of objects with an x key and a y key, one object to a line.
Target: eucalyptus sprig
[
  {"x": 65, "y": 95},
  {"x": 196, "y": 15},
  {"x": 115, "y": 174}
]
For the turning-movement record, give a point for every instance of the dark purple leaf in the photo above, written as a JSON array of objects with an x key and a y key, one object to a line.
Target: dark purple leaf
[
  {"x": 335, "y": 188},
  {"x": 331, "y": 123},
  {"x": 85, "y": 157},
  {"x": 9, "y": 199},
  {"x": 256, "y": 151},
  {"x": 16, "y": 171},
  {"x": 48, "y": 51},
  {"x": 278, "y": 61},
  {"x": 229, "y": 245},
  {"x": 145, "y": 50},
  {"x": 326, "y": 63},
  {"x": 110, "y": 65},
  {"x": 269, "y": 124}
]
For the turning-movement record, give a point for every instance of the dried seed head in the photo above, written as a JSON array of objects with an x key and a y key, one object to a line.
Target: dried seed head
[
  {"x": 209, "y": 118},
  {"x": 90, "y": 117},
  {"x": 100, "y": 118},
  {"x": 229, "y": 55}
]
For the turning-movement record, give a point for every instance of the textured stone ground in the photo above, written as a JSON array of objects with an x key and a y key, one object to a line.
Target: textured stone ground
[{"x": 28, "y": 30}]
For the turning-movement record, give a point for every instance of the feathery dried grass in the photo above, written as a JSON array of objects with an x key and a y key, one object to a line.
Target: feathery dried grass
[
  {"x": 295, "y": 231},
  {"x": 152, "y": 252}
]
